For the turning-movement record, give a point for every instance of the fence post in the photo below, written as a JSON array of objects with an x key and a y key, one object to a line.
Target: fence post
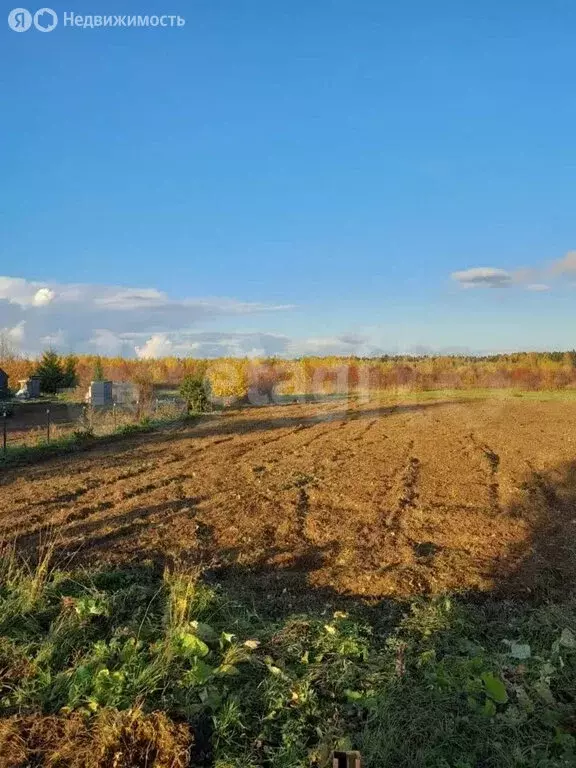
[
  {"x": 48, "y": 425},
  {"x": 4, "y": 434},
  {"x": 114, "y": 414}
]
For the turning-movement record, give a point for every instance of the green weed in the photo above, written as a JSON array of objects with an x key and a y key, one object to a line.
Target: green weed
[{"x": 449, "y": 685}]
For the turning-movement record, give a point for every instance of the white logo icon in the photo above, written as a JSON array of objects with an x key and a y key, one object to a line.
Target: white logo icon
[
  {"x": 20, "y": 20},
  {"x": 45, "y": 20}
]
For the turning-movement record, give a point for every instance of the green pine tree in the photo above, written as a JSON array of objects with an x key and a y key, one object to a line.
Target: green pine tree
[
  {"x": 98, "y": 373},
  {"x": 70, "y": 377},
  {"x": 193, "y": 390},
  {"x": 51, "y": 372}
]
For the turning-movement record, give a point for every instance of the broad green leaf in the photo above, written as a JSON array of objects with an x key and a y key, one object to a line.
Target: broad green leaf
[
  {"x": 568, "y": 638},
  {"x": 199, "y": 673},
  {"x": 495, "y": 688},
  {"x": 191, "y": 645},
  {"x": 352, "y": 695},
  {"x": 489, "y": 708}
]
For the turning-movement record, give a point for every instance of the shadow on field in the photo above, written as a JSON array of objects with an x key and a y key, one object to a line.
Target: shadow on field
[
  {"x": 116, "y": 452},
  {"x": 546, "y": 563},
  {"x": 238, "y": 423},
  {"x": 280, "y": 581},
  {"x": 542, "y": 568},
  {"x": 281, "y": 570}
]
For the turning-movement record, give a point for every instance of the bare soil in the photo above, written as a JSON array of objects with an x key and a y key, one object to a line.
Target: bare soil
[{"x": 368, "y": 500}]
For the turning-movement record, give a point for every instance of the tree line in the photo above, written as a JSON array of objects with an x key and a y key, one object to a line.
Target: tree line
[
  {"x": 58, "y": 372},
  {"x": 233, "y": 377}
]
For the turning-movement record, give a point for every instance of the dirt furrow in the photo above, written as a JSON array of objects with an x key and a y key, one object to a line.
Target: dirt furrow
[{"x": 363, "y": 498}]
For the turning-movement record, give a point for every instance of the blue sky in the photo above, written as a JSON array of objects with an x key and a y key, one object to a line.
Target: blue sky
[{"x": 291, "y": 177}]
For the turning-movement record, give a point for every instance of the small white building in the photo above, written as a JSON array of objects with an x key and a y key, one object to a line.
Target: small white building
[
  {"x": 100, "y": 393},
  {"x": 29, "y": 388}
]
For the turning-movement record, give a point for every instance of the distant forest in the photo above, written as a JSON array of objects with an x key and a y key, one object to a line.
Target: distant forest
[{"x": 235, "y": 376}]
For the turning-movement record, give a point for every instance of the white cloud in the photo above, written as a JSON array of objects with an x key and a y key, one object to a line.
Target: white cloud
[
  {"x": 56, "y": 340},
  {"x": 24, "y": 293},
  {"x": 132, "y": 298},
  {"x": 107, "y": 342},
  {"x": 158, "y": 345},
  {"x": 207, "y": 344},
  {"x": 343, "y": 345},
  {"x": 537, "y": 287},
  {"x": 17, "y": 333},
  {"x": 11, "y": 340},
  {"x": 108, "y": 319},
  {"x": 210, "y": 344},
  {"x": 43, "y": 297},
  {"x": 479, "y": 277}
]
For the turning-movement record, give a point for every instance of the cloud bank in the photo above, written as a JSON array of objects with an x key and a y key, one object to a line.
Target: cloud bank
[
  {"x": 536, "y": 279},
  {"x": 147, "y": 323},
  {"x": 105, "y": 319}
]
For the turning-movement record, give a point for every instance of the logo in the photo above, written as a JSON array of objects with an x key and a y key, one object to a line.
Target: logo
[
  {"x": 20, "y": 20},
  {"x": 45, "y": 20}
]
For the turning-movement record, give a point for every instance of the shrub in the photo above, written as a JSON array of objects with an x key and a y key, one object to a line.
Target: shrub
[{"x": 194, "y": 391}]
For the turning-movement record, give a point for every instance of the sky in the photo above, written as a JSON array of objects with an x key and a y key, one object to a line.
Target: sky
[{"x": 327, "y": 177}]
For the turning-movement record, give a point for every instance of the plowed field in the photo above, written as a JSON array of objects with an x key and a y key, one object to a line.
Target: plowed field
[{"x": 363, "y": 499}]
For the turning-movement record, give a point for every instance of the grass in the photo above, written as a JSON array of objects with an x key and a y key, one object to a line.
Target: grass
[
  {"x": 543, "y": 395},
  {"x": 80, "y": 440},
  {"x": 137, "y": 667}
]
